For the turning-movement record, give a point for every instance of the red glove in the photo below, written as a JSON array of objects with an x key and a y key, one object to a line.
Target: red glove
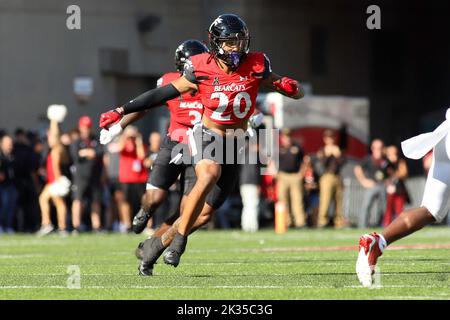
[
  {"x": 109, "y": 118},
  {"x": 287, "y": 86}
]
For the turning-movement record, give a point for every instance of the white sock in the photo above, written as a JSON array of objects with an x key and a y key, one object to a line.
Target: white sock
[{"x": 382, "y": 243}]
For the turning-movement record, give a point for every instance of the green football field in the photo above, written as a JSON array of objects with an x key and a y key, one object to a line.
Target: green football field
[{"x": 300, "y": 264}]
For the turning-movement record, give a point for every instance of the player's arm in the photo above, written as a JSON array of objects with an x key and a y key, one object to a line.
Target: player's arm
[
  {"x": 148, "y": 100},
  {"x": 132, "y": 117},
  {"x": 284, "y": 85},
  {"x": 114, "y": 121}
]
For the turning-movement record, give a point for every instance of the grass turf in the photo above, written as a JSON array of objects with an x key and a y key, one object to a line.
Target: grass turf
[{"x": 300, "y": 264}]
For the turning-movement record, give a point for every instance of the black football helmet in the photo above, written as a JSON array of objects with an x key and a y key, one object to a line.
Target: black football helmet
[
  {"x": 231, "y": 30},
  {"x": 186, "y": 50}
]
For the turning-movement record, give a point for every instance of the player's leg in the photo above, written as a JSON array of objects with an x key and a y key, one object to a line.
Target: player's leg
[
  {"x": 151, "y": 249},
  {"x": 152, "y": 200},
  {"x": 436, "y": 198},
  {"x": 435, "y": 206},
  {"x": 166, "y": 225},
  {"x": 188, "y": 179},
  {"x": 215, "y": 198},
  {"x": 162, "y": 176},
  {"x": 203, "y": 218},
  {"x": 208, "y": 173},
  {"x": 408, "y": 222},
  {"x": 161, "y": 239}
]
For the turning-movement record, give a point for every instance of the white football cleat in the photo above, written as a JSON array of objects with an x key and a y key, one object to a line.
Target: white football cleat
[{"x": 369, "y": 251}]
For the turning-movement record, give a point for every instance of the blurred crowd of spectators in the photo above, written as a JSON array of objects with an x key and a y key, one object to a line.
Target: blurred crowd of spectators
[
  {"x": 107, "y": 183},
  {"x": 311, "y": 190},
  {"x": 104, "y": 183}
]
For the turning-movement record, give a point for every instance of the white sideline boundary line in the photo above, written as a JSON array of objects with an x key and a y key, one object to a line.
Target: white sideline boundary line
[{"x": 216, "y": 287}]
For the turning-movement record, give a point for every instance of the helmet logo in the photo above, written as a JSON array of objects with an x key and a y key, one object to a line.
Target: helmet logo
[
  {"x": 217, "y": 21},
  {"x": 188, "y": 65}
]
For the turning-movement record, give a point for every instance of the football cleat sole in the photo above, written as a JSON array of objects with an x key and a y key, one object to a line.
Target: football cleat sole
[
  {"x": 145, "y": 269},
  {"x": 140, "y": 221},
  {"x": 172, "y": 258},
  {"x": 363, "y": 270}
]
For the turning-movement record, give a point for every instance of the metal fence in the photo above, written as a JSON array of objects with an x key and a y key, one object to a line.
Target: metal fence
[{"x": 354, "y": 193}]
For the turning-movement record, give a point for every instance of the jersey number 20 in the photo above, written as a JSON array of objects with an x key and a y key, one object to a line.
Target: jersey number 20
[{"x": 223, "y": 104}]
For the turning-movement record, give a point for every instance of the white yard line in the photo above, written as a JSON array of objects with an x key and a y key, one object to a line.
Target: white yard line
[{"x": 26, "y": 255}]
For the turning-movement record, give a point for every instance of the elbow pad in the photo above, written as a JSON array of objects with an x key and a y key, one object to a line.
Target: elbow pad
[{"x": 151, "y": 98}]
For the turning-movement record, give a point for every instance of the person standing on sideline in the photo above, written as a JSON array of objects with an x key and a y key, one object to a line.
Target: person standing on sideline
[
  {"x": 371, "y": 174},
  {"x": 310, "y": 178},
  {"x": 250, "y": 187},
  {"x": 330, "y": 183},
  {"x": 87, "y": 155},
  {"x": 111, "y": 160},
  {"x": 397, "y": 195},
  {"x": 132, "y": 174},
  {"x": 8, "y": 192},
  {"x": 26, "y": 165},
  {"x": 57, "y": 186},
  {"x": 289, "y": 180}
]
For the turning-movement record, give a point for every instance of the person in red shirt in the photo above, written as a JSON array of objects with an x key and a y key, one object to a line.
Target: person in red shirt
[
  {"x": 396, "y": 193},
  {"x": 228, "y": 79},
  {"x": 132, "y": 173}
]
